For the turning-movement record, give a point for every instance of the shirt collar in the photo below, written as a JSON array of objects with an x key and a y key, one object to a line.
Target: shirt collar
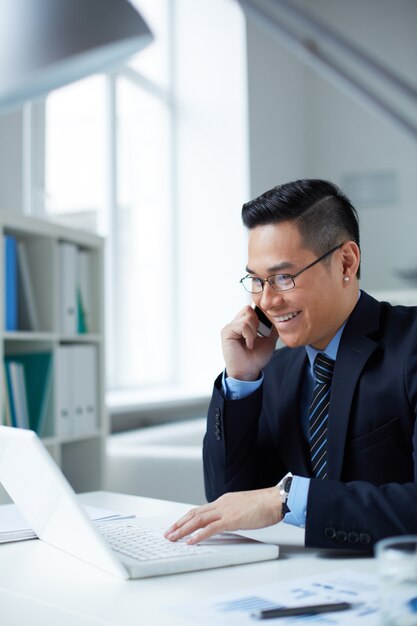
[{"x": 330, "y": 350}]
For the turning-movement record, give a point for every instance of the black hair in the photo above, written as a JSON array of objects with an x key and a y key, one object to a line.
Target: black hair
[{"x": 323, "y": 214}]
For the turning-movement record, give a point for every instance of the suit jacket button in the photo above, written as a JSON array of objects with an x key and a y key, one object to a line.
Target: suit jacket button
[
  {"x": 329, "y": 533},
  {"x": 365, "y": 538},
  {"x": 341, "y": 535},
  {"x": 353, "y": 537}
]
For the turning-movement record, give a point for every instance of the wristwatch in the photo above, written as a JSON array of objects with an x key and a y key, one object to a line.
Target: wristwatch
[{"x": 284, "y": 489}]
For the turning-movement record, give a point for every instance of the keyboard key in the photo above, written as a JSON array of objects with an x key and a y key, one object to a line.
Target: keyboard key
[{"x": 146, "y": 544}]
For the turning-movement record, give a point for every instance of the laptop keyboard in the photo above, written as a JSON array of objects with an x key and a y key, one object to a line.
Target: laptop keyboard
[{"x": 145, "y": 544}]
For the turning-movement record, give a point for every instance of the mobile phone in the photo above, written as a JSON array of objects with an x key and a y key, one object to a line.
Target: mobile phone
[{"x": 265, "y": 325}]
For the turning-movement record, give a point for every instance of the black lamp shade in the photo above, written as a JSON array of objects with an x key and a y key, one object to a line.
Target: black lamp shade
[{"x": 45, "y": 44}]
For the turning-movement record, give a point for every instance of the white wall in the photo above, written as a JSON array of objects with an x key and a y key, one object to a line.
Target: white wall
[
  {"x": 346, "y": 137},
  {"x": 316, "y": 130},
  {"x": 278, "y": 126}
]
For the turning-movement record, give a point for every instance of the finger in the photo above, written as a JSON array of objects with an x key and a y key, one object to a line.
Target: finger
[
  {"x": 246, "y": 316},
  {"x": 246, "y": 311},
  {"x": 212, "y": 529},
  {"x": 196, "y": 522},
  {"x": 248, "y": 331},
  {"x": 172, "y": 529},
  {"x": 189, "y": 515},
  {"x": 186, "y": 529},
  {"x": 249, "y": 336},
  {"x": 183, "y": 520}
]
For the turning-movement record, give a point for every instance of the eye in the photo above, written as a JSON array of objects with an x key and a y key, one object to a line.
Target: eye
[
  {"x": 282, "y": 280},
  {"x": 256, "y": 283}
]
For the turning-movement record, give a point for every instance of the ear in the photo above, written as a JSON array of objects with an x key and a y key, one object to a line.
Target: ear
[{"x": 351, "y": 257}]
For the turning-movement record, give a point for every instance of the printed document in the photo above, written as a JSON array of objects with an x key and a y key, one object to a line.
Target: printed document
[
  {"x": 236, "y": 609},
  {"x": 14, "y": 527}
]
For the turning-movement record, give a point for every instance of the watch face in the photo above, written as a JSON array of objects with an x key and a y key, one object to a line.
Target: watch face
[{"x": 287, "y": 484}]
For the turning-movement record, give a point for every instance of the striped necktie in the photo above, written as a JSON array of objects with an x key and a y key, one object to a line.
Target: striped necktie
[{"x": 319, "y": 413}]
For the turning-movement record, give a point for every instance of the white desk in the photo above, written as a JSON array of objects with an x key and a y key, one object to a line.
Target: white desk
[{"x": 40, "y": 585}]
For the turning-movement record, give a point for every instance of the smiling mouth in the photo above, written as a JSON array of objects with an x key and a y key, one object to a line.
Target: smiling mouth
[{"x": 286, "y": 317}]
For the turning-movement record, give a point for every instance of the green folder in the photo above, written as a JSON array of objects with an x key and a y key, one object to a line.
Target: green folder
[{"x": 38, "y": 376}]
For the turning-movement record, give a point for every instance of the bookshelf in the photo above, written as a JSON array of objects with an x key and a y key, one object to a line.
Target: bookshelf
[{"x": 52, "y": 342}]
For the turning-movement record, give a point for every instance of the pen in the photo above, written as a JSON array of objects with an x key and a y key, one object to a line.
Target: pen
[{"x": 313, "y": 609}]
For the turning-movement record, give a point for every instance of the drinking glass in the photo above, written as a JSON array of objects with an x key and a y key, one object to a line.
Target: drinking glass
[{"x": 397, "y": 568}]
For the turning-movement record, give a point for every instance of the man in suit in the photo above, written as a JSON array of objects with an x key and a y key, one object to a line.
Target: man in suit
[{"x": 320, "y": 433}]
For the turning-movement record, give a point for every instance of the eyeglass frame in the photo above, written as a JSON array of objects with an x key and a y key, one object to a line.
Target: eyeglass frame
[{"x": 292, "y": 276}]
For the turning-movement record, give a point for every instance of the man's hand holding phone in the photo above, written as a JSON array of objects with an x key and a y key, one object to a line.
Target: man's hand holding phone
[{"x": 245, "y": 351}]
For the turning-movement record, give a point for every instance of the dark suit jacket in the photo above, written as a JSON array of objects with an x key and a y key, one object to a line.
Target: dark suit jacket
[{"x": 371, "y": 489}]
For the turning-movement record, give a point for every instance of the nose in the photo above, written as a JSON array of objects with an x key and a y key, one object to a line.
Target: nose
[{"x": 270, "y": 298}]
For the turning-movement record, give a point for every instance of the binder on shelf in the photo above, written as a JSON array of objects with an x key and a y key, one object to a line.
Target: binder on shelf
[
  {"x": 64, "y": 404},
  {"x": 85, "y": 388},
  {"x": 28, "y": 313},
  {"x": 10, "y": 283},
  {"x": 68, "y": 261},
  {"x": 35, "y": 377},
  {"x": 17, "y": 393},
  {"x": 76, "y": 390}
]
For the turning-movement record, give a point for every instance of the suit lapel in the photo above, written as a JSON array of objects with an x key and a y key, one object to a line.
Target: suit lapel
[{"x": 355, "y": 349}]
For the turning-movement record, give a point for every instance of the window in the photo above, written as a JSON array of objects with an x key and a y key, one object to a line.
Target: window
[
  {"x": 133, "y": 209},
  {"x": 142, "y": 239},
  {"x": 75, "y": 149},
  {"x": 160, "y": 169}
]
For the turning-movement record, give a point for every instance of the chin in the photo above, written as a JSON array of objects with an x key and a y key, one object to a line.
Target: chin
[{"x": 292, "y": 342}]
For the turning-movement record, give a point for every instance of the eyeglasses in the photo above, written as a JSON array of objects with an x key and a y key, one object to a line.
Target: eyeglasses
[{"x": 280, "y": 282}]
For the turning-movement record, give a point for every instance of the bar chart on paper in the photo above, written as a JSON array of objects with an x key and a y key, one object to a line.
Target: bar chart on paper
[{"x": 237, "y": 609}]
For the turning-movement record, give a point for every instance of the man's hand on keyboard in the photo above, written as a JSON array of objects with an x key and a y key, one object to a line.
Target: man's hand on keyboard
[{"x": 242, "y": 510}]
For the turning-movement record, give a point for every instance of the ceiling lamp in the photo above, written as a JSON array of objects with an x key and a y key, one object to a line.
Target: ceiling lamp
[{"x": 45, "y": 44}]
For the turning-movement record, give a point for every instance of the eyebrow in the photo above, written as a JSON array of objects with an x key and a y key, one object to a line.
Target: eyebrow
[{"x": 275, "y": 269}]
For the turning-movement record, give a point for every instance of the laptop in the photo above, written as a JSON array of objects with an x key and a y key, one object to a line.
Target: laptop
[{"x": 47, "y": 501}]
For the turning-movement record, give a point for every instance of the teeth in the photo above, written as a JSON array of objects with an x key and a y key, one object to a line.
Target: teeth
[{"x": 288, "y": 316}]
